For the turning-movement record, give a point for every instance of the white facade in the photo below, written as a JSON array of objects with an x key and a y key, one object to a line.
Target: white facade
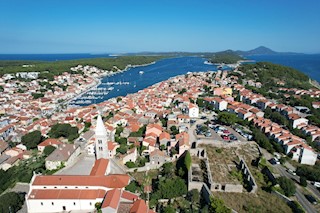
[
  {"x": 221, "y": 105},
  {"x": 193, "y": 112},
  {"x": 101, "y": 146},
  {"x": 308, "y": 157},
  {"x": 296, "y": 122},
  {"x": 59, "y": 205},
  {"x": 132, "y": 156}
]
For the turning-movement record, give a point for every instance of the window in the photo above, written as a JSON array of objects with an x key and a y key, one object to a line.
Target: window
[
  {"x": 41, "y": 204},
  {"x": 55, "y": 187},
  {"x": 74, "y": 203},
  {"x": 99, "y": 141},
  {"x": 90, "y": 204},
  {"x": 52, "y": 203}
]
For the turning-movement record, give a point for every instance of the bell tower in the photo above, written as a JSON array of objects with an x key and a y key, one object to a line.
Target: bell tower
[{"x": 101, "y": 145}]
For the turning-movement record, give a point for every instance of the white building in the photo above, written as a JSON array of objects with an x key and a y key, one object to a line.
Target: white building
[
  {"x": 308, "y": 156},
  {"x": 101, "y": 145},
  {"x": 193, "y": 111},
  {"x": 69, "y": 193},
  {"x": 65, "y": 155}
]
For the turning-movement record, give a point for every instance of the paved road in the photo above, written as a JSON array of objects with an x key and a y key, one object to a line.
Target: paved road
[
  {"x": 314, "y": 190},
  {"x": 299, "y": 195}
]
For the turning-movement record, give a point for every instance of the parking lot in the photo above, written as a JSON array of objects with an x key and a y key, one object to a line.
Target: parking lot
[{"x": 216, "y": 132}]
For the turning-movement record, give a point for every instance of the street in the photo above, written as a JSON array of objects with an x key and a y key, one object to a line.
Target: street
[{"x": 299, "y": 195}]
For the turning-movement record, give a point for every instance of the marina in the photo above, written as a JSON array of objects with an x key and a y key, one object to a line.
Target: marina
[{"x": 139, "y": 77}]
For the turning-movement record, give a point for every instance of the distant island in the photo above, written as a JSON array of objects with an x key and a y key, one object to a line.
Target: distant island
[
  {"x": 225, "y": 57},
  {"x": 262, "y": 50}
]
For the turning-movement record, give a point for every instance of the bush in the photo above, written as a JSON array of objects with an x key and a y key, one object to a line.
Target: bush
[
  {"x": 303, "y": 181},
  {"x": 287, "y": 185},
  {"x": 32, "y": 139},
  {"x": 48, "y": 150},
  {"x": 130, "y": 164}
]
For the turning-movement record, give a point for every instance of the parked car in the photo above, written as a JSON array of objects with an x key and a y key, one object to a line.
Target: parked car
[
  {"x": 203, "y": 117},
  {"x": 233, "y": 138},
  {"x": 225, "y": 137},
  {"x": 274, "y": 161},
  {"x": 311, "y": 199},
  {"x": 316, "y": 184},
  {"x": 208, "y": 134},
  {"x": 211, "y": 126},
  {"x": 291, "y": 171},
  {"x": 226, "y": 131}
]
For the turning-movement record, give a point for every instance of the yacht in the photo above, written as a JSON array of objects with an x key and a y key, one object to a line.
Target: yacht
[{"x": 141, "y": 72}]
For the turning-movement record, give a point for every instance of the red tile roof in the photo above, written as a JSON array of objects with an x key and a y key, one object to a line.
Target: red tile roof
[
  {"x": 66, "y": 194},
  {"x": 112, "y": 199},
  {"x": 50, "y": 141},
  {"x": 100, "y": 167},
  {"x": 110, "y": 181}
]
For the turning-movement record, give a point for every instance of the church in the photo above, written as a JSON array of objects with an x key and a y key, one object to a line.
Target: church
[{"x": 81, "y": 193}]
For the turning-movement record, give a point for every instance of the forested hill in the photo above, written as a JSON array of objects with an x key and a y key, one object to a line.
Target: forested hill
[
  {"x": 271, "y": 74},
  {"x": 226, "y": 57},
  {"x": 58, "y": 67}
]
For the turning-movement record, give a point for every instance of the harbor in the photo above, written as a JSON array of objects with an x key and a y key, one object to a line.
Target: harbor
[{"x": 135, "y": 78}]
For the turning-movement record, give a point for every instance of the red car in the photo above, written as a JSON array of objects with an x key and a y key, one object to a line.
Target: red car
[
  {"x": 224, "y": 137},
  {"x": 226, "y": 132}
]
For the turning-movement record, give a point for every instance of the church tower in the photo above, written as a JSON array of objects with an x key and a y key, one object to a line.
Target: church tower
[{"x": 101, "y": 145}]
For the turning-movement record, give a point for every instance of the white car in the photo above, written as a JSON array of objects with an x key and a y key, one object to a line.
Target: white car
[{"x": 291, "y": 172}]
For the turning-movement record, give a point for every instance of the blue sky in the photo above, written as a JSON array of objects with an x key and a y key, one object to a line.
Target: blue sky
[{"x": 113, "y": 26}]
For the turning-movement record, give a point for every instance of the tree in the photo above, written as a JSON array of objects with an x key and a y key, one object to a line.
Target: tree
[
  {"x": 173, "y": 187},
  {"x": 11, "y": 202},
  {"x": 169, "y": 209},
  {"x": 64, "y": 130},
  {"x": 287, "y": 185},
  {"x": 32, "y": 139},
  {"x": 130, "y": 164},
  {"x": 162, "y": 147},
  {"x": 217, "y": 206},
  {"x": 98, "y": 206},
  {"x": 193, "y": 196},
  {"x": 48, "y": 150},
  {"x": 200, "y": 102},
  {"x": 187, "y": 160},
  {"x": 122, "y": 149},
  {"x": 312, "y": 173},
  {"x": 132, "y": 187},
  {"x": 303, "y": 181},
  {"x": 168, "y": 170},
  {"x": 227, "y": 118},
  {"x": 174, "y": 130},
  {"x": 37, "y": 95}
]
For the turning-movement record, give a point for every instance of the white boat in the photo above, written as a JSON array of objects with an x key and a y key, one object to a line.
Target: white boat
[{"x": 141, "y": 72}]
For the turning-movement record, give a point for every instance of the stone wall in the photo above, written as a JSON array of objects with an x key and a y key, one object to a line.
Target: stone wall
[
  {"x": 226, "y": 187},
  {"x": 249, "y": 177}
]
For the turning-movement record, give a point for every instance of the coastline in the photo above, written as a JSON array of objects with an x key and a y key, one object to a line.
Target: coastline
[{"x": 99, "y": 81}]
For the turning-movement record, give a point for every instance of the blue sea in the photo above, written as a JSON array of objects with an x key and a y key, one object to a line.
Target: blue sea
[
  {"x": 152, "y": 74},
  {"x": 306, "y": 63},
  {"x": 166, "y": 68}
]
